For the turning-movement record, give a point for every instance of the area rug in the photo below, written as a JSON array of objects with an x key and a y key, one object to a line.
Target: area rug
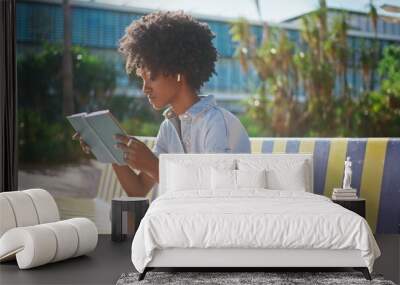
[{"x": 229, "y": 278}]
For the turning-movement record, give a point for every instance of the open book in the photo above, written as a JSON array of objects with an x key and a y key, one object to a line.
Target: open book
[{"x": 97, "y": 130}]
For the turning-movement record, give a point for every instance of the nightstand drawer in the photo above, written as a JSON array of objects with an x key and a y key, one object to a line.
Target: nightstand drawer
[{"x": 357, "y": 206}]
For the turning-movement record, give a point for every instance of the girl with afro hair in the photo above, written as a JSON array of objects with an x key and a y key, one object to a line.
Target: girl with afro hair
[{"x": 174, "y": 56}]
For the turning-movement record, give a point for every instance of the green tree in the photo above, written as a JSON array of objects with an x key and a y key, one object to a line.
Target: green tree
[
  {"x": 319, "y": 64},
  {"x": 282, "y": 67},
  {"x": 273, "y": 61},
  {"x": 44, "y": 133},
  {"x": 379, "y": 111},
  {"x": 40, "y": 80},
  {"x": 317, "y": 70}
]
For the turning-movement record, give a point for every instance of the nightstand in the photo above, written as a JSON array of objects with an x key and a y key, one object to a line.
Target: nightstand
[
  {"x": 356, "y": 205},
  {"x": 126, "y": 214}
]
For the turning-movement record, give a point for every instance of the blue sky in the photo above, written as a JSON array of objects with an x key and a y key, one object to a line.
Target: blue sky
[{"x": 272, "y": 10}]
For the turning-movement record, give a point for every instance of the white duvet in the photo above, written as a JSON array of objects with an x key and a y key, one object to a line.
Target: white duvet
[{"x": 252, "y": 218}]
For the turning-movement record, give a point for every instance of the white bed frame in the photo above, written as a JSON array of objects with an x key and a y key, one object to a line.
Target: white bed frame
[
  {"x": 250, "y": 257},
  {"x": 241, "y": 258}
]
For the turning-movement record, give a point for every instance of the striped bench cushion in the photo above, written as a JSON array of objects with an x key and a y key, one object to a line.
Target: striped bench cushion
[{"x": 376, "y": 171}]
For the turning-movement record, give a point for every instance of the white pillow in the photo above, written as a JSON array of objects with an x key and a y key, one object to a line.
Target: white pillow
[
  {"x": 293, "y": 180},
  {"x": 183, "y": 178},
  {"x": 223, "y": 179},
  {"x": 188, "y": 176},
  {"x": 226, "y": 179},
  {"x": 282, "y": 174},
  {"x": 251, "y": 178}
]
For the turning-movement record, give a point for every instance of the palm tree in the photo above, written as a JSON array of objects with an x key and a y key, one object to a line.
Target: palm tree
[
  {"x": 373, "y": 57},
  {"x": 68, "y": 92},
  {"x": 373, "y": 14},
  {"x": 340, "y": 52}
]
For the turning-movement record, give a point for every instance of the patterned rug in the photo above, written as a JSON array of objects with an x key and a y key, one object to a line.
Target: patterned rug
[{"x": 242, "y": 278}]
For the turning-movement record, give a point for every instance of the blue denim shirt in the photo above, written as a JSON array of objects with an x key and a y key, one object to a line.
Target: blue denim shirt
[{"x": 205, "y": 128}]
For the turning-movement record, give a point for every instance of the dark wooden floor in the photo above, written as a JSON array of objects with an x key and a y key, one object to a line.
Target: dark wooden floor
[{"x": 110, "y": 260}]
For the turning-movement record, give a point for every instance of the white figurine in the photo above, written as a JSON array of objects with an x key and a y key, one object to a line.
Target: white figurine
[{"x": 347, "y": 174}]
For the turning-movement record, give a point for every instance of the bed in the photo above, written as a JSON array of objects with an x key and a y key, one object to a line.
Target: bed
[{"x": 247, "y": 210}]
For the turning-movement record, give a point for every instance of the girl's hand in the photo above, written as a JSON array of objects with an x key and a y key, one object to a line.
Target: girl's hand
[
  {"x": 85, "y": 147},
  {"x": 137, "y": 154}
]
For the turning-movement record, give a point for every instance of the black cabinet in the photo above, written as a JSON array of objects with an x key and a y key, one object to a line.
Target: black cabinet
[
  {"x": 357, "y": 205},
  {"x": 126, "y": 214}
]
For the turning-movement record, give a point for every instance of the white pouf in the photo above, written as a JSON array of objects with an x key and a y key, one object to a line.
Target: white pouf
[
  {"x": 23, "y": 209},
  {"x": 45, "y": 205},
  {"x": 67, "y": 236},
  {"x": 31, "y": 232},
  {"x": 6, "y": 215}
]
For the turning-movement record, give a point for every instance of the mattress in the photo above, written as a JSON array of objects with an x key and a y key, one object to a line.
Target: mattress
[{"x": 250, "y": 219}]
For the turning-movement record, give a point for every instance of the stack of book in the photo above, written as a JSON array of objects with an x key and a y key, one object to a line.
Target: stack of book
[{"x": 344, "y": 194}]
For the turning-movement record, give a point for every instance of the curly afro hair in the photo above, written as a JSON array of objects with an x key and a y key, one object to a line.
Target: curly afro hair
[{"x": 170, "y": 43}]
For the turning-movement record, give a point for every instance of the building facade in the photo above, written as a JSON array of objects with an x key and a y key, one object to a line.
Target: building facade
[{"x": 99, "y": 27}]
